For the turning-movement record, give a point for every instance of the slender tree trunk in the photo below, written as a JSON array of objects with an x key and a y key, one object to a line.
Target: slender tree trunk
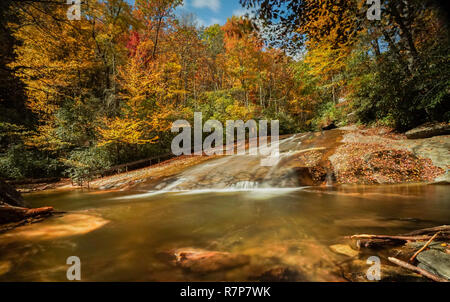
[
  {"x": 155, "y": 46},
  {"x": 405, "y": 35}
]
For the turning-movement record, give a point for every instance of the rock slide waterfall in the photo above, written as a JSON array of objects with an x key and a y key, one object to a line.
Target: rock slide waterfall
[{"x": 240, "y": 173}]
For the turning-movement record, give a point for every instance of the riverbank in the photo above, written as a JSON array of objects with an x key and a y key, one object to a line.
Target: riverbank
[
  {"x": 349, "y": 155},
  {"x": 381, "y": 156},
  {"x": 415, "y": 256},
  {"x": 124, "y": 180}
]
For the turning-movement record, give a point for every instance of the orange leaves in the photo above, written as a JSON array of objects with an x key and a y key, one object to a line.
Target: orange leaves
[{"x": 375, "y": 163}]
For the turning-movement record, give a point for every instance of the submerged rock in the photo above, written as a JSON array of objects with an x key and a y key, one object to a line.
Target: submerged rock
[
  {"x": 280, "y": 274},
  {"x": 60, "y": 227},
  {"x": 5, "y": 267},
  {"x": 429, "y": 130},
  {"x": 203, "y": 261},
  {"x": 438, "y": 261},
  {"x": 344, "y": 249}
]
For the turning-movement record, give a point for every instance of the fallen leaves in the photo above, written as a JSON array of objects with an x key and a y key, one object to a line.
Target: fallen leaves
[{"x": 376, "y": 163}]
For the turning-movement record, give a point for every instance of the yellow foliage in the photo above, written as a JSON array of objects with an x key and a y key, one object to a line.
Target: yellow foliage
[{"x": 125, "y": 131}]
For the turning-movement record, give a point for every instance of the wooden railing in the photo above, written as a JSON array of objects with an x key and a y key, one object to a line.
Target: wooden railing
[
  {"x": 136, "y": 165},
  {"x": 144, "y": 163}
]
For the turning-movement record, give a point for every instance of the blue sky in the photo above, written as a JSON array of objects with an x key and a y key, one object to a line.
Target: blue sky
[{"x": 210, "y": 12}]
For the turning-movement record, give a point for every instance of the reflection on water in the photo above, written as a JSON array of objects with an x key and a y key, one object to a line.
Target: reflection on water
[{"x": 121, "y": 238}]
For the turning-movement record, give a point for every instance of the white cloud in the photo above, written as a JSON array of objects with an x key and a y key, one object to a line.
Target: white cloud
[
  {"x": 207, "y": 23},
  {"x": 214, "y": 21},
  {"x": 240, "y": 12},
  {"x": 213, "y": 5}
]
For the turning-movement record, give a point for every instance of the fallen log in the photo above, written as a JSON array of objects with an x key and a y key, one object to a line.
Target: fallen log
[
  {"x": 378, "y": 241},
  {"x": 10, "y": 214},
  {"x": 416, "y": 269}
]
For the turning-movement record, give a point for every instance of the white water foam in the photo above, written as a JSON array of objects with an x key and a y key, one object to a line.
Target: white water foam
[{"x": 256, "y": 192}]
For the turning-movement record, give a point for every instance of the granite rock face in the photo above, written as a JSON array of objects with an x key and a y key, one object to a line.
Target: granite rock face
[
  {"x": 9, "y": 196},
  {"x": 437, "y": 261},
  {"x": 429, "y": 130}
]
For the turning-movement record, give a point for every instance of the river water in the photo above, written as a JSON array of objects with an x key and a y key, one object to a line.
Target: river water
[
  {"x": 128, "y": 236},
  {"x": 264, "y": 218}
]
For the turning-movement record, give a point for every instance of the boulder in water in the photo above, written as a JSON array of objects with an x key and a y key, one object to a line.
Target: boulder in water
[
  {"x": 5, "y": 267},
  {"x": 437, "y": 261}
]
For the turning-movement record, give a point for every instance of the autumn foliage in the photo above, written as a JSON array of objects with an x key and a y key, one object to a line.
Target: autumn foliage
[{"x": 106, "y": 89}]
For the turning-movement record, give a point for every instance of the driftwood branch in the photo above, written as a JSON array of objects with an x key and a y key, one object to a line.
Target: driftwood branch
[
  {"x": 424, "y": 247},
  {"x": 417, "y": 270},
  {"x": 442, "y": 229},
  {"x": 374, "y": 241},
  {"x": 400, "y": 238}
]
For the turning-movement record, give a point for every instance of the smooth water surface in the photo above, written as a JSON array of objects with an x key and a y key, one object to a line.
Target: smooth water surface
[{"x": 127, "y": 236}]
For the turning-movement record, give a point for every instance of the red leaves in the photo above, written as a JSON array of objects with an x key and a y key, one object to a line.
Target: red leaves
[{"x": 133, "y": 43}]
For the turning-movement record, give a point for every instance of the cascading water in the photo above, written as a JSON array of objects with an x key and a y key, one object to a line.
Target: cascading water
[
  {"x": 239, "y": 173},
  {"x": 246, "y": 173},
  {"x": 245, "y": 185}
]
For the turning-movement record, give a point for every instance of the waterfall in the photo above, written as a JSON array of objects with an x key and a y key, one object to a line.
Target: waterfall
[{"x": 239, "y": 173}]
